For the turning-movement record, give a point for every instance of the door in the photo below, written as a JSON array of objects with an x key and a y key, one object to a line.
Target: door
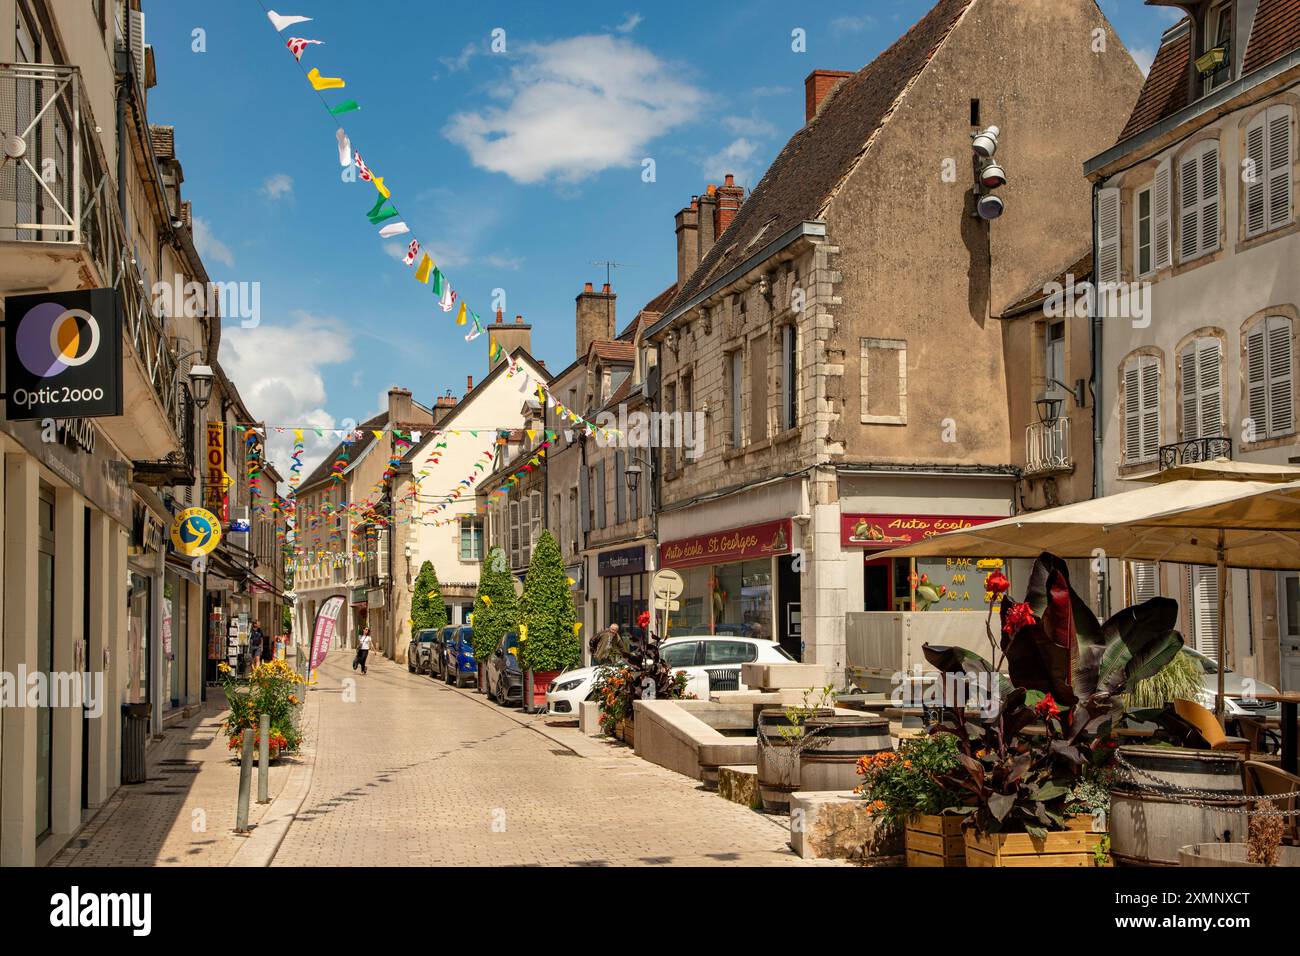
[
  {"x": 1290, "y": 636},
  {"x": 877, "y": 588}
]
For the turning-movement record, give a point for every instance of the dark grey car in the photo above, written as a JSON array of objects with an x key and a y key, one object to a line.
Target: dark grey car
[{"x": 419, "y": 653}]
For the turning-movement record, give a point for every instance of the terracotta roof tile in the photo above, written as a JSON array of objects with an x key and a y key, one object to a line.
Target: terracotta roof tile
[
  {"x": 1165, "y": 91},
  {"x": 800, "y": 180},
  {"x": 164, "y": 140},
  {"x": 615, "y": 350},
  {"x": 1275, "y": 34}
]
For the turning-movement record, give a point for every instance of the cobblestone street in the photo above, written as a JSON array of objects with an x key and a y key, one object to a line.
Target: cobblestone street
[{"x": 415, "y": 773}]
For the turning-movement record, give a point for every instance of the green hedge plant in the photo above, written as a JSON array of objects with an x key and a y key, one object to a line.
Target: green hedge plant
[
  {"x": 547, "y": 610},
  {"x": 496, "y": 611}
]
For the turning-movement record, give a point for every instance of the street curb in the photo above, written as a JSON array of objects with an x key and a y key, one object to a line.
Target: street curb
[
  {"x": 266, "y": 838},
  {"x": 518, "y": 716}
]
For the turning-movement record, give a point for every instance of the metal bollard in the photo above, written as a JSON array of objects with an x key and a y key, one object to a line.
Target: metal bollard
[
  {"x": 245, "y": 781},
  {"x": 264, "y": 759}
]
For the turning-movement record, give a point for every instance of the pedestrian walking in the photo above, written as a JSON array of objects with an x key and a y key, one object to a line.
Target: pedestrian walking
[
  {"x": 607, "y": 647},
  {"x": 363, "y": 649},
  {"x": 255, "y": 641}
]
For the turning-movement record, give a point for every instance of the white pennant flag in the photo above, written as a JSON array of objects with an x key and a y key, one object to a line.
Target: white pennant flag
[
  {"x": 393, "y": 229},
  {"x": 345, "y": 148},
  {"x": 280, "y": 22}
]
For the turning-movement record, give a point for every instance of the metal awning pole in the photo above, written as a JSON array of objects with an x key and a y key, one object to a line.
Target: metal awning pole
[{"x": 1219, "y": 706}]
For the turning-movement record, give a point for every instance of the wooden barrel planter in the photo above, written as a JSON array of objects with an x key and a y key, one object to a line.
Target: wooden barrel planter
[
  {"x": 778, "y": 773},
  {"x": 1232, "y": 854},
  {"x": 1149, "y": 828},
  {"x": 831, "y": 761},
  {"x": 935, "y": 841}
]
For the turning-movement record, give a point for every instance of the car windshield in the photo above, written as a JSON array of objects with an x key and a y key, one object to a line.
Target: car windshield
[{"x": 1206, "y": 664}]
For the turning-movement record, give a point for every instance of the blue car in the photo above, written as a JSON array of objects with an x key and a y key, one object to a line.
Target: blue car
[{"x": 458, "y": 662}]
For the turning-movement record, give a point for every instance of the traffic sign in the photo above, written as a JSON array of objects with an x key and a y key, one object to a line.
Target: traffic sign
[
  {"x": 664, "y": 605},
  {"x": 195, "y": 532},
  {"x": 667, "y": 584}
]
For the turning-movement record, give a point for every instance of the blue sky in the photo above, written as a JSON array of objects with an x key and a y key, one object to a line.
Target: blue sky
[{"x": 517, "y": 169}]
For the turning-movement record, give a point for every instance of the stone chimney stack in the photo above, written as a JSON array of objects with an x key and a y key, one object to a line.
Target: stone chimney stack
[
  {"x": 730, "y": 196},
  {"x": 401, "y": 410},
  {"x": 443, "y": 406},
  {"x": 816, "y": 86},
  {"x": 595, "y": 316},
  {"x": 708, "y": 221},
  {"x": 469, "y": 384},
  {"x": 519, "y": 335},
  {"x": 688, "y": 240}
]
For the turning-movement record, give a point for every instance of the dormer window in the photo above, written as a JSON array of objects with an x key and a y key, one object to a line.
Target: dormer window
[{"x": 1214, "y": 64}]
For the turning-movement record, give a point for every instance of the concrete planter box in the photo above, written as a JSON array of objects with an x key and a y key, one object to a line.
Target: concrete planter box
[
  {"x": 740, "y": 785},
  {"x": 837, "y": 824},
  {"x": 589, "y": 718},
  {"x": 669, "y": 735},
  {"x": 784, "y": 676}
]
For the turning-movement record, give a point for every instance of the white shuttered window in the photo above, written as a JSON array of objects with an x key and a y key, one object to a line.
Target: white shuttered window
[
  {"x": 1162, "y": 222},
  {"x": 1203, "y": 608},
  {"x": 1141, "y": 409},
  {"x": 1201, "y": 362},
  {"x": 1198, "y": 201},
  {"x": 1269, "y": 385},
  {"x": 1108, "y": 248},
  {"x": 1268, "y": 186}
]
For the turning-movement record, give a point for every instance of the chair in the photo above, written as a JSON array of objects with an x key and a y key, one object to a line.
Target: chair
[
  {"x": 1262, "y": 739},
  {"x": 1208, "y": 727},
  {"x": 1264, "y": 779}
]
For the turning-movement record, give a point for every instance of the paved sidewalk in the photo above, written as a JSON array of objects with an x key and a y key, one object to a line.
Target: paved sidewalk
[
  {"x": 184, "y": 813},
  {"x": 409, "y": 771}
]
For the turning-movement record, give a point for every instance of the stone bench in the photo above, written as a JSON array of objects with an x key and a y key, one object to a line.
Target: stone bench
[{"x": 669, "y": 735}]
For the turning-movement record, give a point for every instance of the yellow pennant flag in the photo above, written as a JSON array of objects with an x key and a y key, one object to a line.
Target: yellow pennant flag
[
  {"x": 460, "y": 316},
  {"x": 532, "y": 433},
  {"x": 577, "y": 625},
  {"x": 297, "y": 434},
  {"x": 487, "y": 601},
  {"x": 426, "y": 269},
  {"x": 378, "y": 435},
  {"x": 319, "y": 82},
  {"x": 379, "y": 184}
]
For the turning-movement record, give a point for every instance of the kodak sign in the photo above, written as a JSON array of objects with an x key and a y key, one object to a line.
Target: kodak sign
[{"x": 214, "y": 474}]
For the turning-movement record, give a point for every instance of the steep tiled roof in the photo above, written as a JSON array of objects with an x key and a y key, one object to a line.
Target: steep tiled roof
[
  {"x": 1165, "y": 91},
  {"x": 1080, "y": 270},
  {"x": 1275, "y": 34},
  {"x": 615, "y": 350},
  {"x": 800, "y": 180},
  {"x": 164, "y": 140}
]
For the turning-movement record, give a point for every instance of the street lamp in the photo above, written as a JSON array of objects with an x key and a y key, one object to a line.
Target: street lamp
[
  {"x": 201, "y": 379},
  {"x": 633, "y": 475},
  {"x": 1049, "y": 409}
]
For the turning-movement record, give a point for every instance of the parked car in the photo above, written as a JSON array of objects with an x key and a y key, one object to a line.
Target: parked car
[
  {"x": 502, "y": 674},
  {"x": 419, "y": 653},
  {"x": 711, "y": 661},
  {"x": 438, "y": 655},
  {"x": 458, "y": 664},
  {"x": 1239, "y": 692}
]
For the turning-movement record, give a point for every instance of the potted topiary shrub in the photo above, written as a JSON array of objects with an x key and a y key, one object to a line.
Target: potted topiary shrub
[
  {"x": 548, "y": 639},
  {"x": 495, "y": 607}
]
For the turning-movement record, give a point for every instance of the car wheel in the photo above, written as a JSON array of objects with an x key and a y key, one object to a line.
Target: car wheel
[{"x": 410, "y": 668}]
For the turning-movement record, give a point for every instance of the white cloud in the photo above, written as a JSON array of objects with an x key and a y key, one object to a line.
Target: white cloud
[
  {"x": 850, "y": 24},
  {"x": 1145, "y": 56},
  {"x": 736, "y": 157},
  {"x": 630, "y": 22},
  {"x": 576, "y": 107},
  {"x": 278, "y": 186},
  {"x": 459, "y": 62},
  {"x": 209, "y": 246},
  {"x": 752, "y": 125},
  {"x": 281, "y": 392}
]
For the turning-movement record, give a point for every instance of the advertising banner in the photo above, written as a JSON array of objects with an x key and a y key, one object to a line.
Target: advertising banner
[
  {"x": 327, "y": 622},
  {"x": 214, "y": 470}
]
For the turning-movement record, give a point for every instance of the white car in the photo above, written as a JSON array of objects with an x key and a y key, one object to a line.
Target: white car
[{"x": 711, "y": 661}]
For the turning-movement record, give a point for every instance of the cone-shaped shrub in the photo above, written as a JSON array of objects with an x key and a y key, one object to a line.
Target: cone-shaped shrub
[
  {"x": 495, "y": 611},
  {"x": 427, "y": 609},
  {"x": 547, "y": 609}
]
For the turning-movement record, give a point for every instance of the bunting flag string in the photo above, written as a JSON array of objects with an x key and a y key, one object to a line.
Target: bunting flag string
[{"x": 384, "y": 209}]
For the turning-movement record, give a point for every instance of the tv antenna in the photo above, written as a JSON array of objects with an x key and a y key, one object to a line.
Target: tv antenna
[{"x": 610, "y": 265}]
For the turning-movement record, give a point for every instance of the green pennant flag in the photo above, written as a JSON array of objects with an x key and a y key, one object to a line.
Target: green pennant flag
[
  {"x": 347, "y": 106},
  {"x": 437, "y": 282},
  {"x": 378, "y": 213}
]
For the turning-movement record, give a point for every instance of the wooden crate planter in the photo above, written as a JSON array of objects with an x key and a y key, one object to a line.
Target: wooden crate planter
[
  {"x": 935, "y": 841},
  {"x": 623, "y": 731},
  {"x": 1074, "y": 847}
]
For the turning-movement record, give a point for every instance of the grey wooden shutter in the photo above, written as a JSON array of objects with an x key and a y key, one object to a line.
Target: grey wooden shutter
[
  {"x": 1203, "y": 601},
  {"x": 1209, "y": 361},
  {"x": 1162, "y": 225},
  {"x": 1257, "y": 381},
  {"x": 1279, "y": 166},
  {"x": 1132, "y": 412},
  {"x": 1108, "y": 248},
  {"x": 584, "y": 498},
  {"x": 1191, "y": 406},
  {"x": 1257, "y": 183},
  {"x": 1189, "y": 207},
  {"x": 1210, "y": 198},
  {"x": 1281, "y": 418},
  {"x": 1149, "y": 371},
  {"x": 1145, "y": 576},
  {"x": 599, "y": 492},
  {"x": 620, "y": 513}
]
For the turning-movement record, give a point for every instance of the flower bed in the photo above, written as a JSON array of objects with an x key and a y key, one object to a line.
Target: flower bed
[{"x": 272, "y": 689}]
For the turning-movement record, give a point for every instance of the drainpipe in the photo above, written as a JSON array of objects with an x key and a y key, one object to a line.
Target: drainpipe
[{"x": 1095, "y": 318}]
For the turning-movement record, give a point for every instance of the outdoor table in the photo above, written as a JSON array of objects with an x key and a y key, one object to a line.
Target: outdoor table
[{"x": 1290, "y": 701}]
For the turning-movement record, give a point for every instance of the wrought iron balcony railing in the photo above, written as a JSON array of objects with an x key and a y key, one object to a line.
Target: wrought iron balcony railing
[
  {"x": 1047, "y": 447},
  {"x": 1195, "y": 450},
  {"x": 56, "y": 192}
]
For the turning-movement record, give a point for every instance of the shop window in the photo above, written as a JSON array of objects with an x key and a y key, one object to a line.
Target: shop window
[{"x": 884, "y": 381}]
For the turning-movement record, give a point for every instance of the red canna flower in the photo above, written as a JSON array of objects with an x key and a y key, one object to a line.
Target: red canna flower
[
  {"x": 1047, "y": 708},
  {"x": 997, "y": 583},
  {"x": 1018, "y": 616}
]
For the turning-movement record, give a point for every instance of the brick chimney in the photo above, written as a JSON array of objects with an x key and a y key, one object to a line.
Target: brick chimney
[
  {"x": 688, "y": 240},
  {"x": 469, "y": 384},
  {"x": 401, "y": 410},
  {"x": 708, "y": 220},
  {"x": 510, "y": 337},
  {"x": 443, "y": 406},
  {"x": 817, "y": 86},
  {"x": 730, "y": 196},
  {"x": 595, "y": 316}
]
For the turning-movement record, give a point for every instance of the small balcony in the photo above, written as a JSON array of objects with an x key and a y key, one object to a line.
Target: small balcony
[
  {"x": 1047, "y": 448},
  {"x": 1194, "y": 451},
  {"x": 60, "y": 228}
]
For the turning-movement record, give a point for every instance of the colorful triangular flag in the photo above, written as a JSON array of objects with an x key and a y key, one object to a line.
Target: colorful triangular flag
[
  {"x": 412, "y": 250},
  {"x": 345, "y": 148},
  {"x": 319, "y": 82},
  {"x": 280, "y": 22},
  {"x": 426, "y": 266},
  {"x": 347, "y": 106},
  {"x": 394, "y": 229},
  {"x": 297, "y": 45}
]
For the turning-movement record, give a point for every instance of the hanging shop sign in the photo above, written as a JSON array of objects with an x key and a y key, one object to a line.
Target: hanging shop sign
[
  {"x": 738, "y": 544},
  {"x": 894, "y": 531},
  {"x": 63, "y": 355},
  {"x": 624, "y": 561},
  {"x": 195, "y": 532},
  {"x": 147, "y": 532},
  {"x": 214, "y": 469}
]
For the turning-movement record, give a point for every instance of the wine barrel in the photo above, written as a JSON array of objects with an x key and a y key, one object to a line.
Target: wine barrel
[
  {"x": 778, "y": 764},
  {"x": 830, "y": 762},
  {"x": 1148, "y": 826}
]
